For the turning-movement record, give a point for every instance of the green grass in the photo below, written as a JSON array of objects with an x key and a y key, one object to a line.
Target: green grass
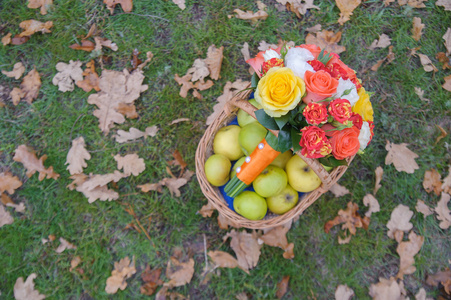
[{"x": 177, "y": 38}]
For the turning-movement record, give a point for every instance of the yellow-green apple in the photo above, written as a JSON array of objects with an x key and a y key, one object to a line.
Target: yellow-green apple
[
  {"x": 226, "y": 142},
  {"x": 250, "y": 205},
  {"x": 237, "y": 164},
  {"x": 250, "y": 136},
  {"x": 217, "y": 169},
  {"x": 271, "y": 181},
  {"x": 284, "y": 201},
  {"x": 282, "y": 159},
  {"x": 244, "y": 118},
  {"x": 300, "y": 176}
]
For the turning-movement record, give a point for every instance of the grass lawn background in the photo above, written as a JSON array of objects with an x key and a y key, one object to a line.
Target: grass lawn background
[{"x": 176, "y": 39}]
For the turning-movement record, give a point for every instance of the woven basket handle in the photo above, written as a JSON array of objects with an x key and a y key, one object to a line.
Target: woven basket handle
[{"x": 326, "y": 178}]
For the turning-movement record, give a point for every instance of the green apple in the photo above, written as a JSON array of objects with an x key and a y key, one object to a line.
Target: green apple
[
  {"x": 282, "y": 159},
  {"x": 250, "y": 205},
  {"x": 300, "y": 176},
  {"x": 244, "y": 118},
  {"x": 271, "y": 181},
  {"x": 217, "y": 169},
  {"x": 284, "y": 201},
  {"x": 250, "y": 136},
  {"x": 237, "y": 164},
  {"x": 226, "y": 142}
]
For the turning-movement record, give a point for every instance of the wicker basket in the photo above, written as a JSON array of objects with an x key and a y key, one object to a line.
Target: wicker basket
[{"x": 205, "y": 149}]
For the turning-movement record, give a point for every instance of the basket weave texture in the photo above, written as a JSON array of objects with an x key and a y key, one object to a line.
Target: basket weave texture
[{"x": 212, "y": 193}]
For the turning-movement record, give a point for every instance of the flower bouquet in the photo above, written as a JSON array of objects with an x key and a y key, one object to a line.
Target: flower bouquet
[{"x": 312, "y": 104}]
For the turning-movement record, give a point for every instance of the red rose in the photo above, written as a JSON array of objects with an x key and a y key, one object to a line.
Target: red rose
[
  {"x": 273, "y": 62},
  {"x": 356, "y": 120},
  {"x": 371, "y": 124},
  {"x": 318, "y": 66},
  {"x": 341, "y": 110},
  {"x": 315, "y": 113},
  {"x": 314, "y": 142},
  {"x": 345, "y": 143}
]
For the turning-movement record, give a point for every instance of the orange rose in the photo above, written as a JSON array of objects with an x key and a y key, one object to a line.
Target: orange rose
[
  {"x": 319, "y": 85},
  {"x": 257, "y": 62},
  {"x": 345, "y": 143}
]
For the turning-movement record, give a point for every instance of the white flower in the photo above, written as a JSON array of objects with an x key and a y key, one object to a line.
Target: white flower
[
  {"x": 364, "y": 136},
  {"x": 270, "y": 54},
  {"x": 344, "y": 85},
  {"x": 296, "y": 59}
]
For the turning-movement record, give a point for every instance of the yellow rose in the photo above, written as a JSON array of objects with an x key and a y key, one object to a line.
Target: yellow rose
[
  {"x": 363, "y": 106},
  {"x": 279, "y": 91}
]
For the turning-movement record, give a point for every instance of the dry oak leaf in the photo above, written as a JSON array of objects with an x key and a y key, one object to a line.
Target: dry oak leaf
[
  {"x": 338, "y": 190},
  {"x": 387, "y": 59},
  {"x": 94, "y": 187},
  {"x": 420, "y": 94},
  {"x": 29, "y": 88},
  {"x": 86, "y": 45},
  {"x": 421, "y": 295},
  {"x": 230, "y": 90},
  {"x": 127, "y": 5},
  {"x": 5, "y": 217},
  {"x": 432, "y": 182},
  {"x": 446, "y": 186},
  {"x": 407, "y": 251},
  {"x": 277, "y": 237},
  {"x": 346, "y": 8},
  {"x": 74, "y": 263},
  {"x": 444, "y": 60},
  {"x": 224, "y": 222},
  {"x": 445, "y": 3},
  {"x": 101, "y": 193},
  {"x": 77, "y": 156},
  {"x": 179, "y": 273},
  {"x": 417, "y": 28},
  {"x": 246, "y": 247},
  {"x": 42, "y": 4},
  {"x": 223, "y": 259},
  {"x": 131, "y": 163},
  {"x": 151, "y": 278},
  {"x": 245, "y": 51},
  {"x": 5, "y": 199},
  {"x": 379, "y": 172},
  {"x": 103, "y": 42},
  {"x": 401, "y": 157},
  {"x": 261, "y": 14},
  {"x": 399, "y": 222},
  {"x": 64, "y": 245},
  {"x": 388, "y": 289},
  {"x": 214, "y": 61},
  {"x": 32, "y": 26},
  {"x": 371, "y": 201},
  {"x": 116, "y": 88},
  {"x": 412, "y": 3},
  {"x": 151, "y": 187},
  {"x": 207, "y": 210},
  {"x": 16, "y": 72},
  {"x": 314, "y": 29},
  {"x": 91, "y": 78},
  {"x": 18, "y": 207},
  {"x": 423, "y": 208},
  {"x": 123, "y": 270},
  {"x": 326, "y": 40},
  {"x": 447, "y": 84},
  {"x": 180, "y": 4},
  {"x": 282, "y": 287},
  {"x": 443, "y": 277},
  {"x": 343, "y": 292},
  {"x": 447, "y": 38},
  {"x": 350, "y": 219},
  {"x": 186, "y": 84},
  {"x": 9, "y": 183},
  {"x": 133, "y": 134},
  {"x": 383, "y": 42},
  {"x": 199, "y": 70},
  {"x": 426, "y": 62},
  {"x": 299, "y": 7},
  {"x": 6, "y": 39},
  {"x": 25, "y": 290},
  {"x": 174, "y": 184},
  {"x": 443, "y": 212},
  {"x": 28, "y": 158}
]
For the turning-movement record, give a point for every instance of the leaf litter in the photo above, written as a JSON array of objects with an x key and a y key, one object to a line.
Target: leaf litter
[
  {"x": 123, "y": 270},
  {"x": 26, "y": 290}
]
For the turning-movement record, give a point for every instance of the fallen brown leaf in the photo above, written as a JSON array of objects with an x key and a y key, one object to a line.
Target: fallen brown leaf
[
  {"x": 379, "y": 172},
  {"x": 426, "y": 63},
  {"x": 423, "y": 208},
  {"x": 9, "y": 183},
  {"x": 245, "y": 51},
  {"x": 123, "y": 270},
  {"x": 30, "y": 27},
  {"x": 445, "y": 3},
  {"x": 444, "y": 60},
  {"x": 223, "y": 259},
  {"x": 18, "y": 207},
  {"x": 447, "y": 36},
  {"x": 16, "y": 72},
  {"x": 103, "y": 42},
  {"x": 94, "y": 187},
  {"x": 399, "y": 222},
  {"x": 441, "y": 277},
  {"x": 446, "y": 186},
  {"x": 174, "y": 184},
  {"x": 133, "y": 134},
  {"x": 346, "y": 8},
  {"x": 388, "y": 289},
  {"x": 246, "y": 247},
  {"x": 186, "y": 84},
  {"x": 180, "y": 4},
  {"x": 261, "y": 14},
  {"x": 443, "y": 212},
  {"x": 412, "y": 3},
  {"x": 282, "y": 287},
  {"x": 214, "y": 61},
  {"x": 401, "y": 157},
  {"x": 382, "y": 42},
  {"x": 86, "y": 45},
  {"x": 387, "y": 59},
  {"x": 326, "y": 40},
  {"x": 25, "y": 290},
  {"x": 65, "y": 245},
  {"x": 19, "y": 40},
  {"x": 5, "y": 217},
  {"x": 443, "y": 133},
  {"x": 207, "y": 210},
  {"x": 77, "y": 156},
  {"x": 29, "y": 88},
  {"x": 276, "y": 237},
  {"x": 42, "y": 4},
  {"x": 350, "y": 219},
  {"x": 224, "y": 222},
  {"x": 91, "y": 78},
  {"x": 151, "y": 278},
  {"x": 6, "y": 40},
  {"x": 343, "y": 292},
  {"x": 299, "y": 7},
  {"x": 447, "y": 84},
  {"x": 127, "y": 5},
  {"x": 420, "y": 94},
  {"x": 417, "y": 28},
  {"x": 151, "y": 187},
  {"x": 314, "y": 29},
  {"x": 28, "y": 158},
  {"x": 371, "y": 201},
  {"x": 5, "y": 199},
  {"x": 131, "y": 163},
  {"x": 338, "y": 190},
  {"x": 179, "y": 273},
  {"x": 422, "y": 295},
  {"x": 74, "y": 263},
  {"x": 432, "y": 182},
  {"x": 407, "y": 251}
]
